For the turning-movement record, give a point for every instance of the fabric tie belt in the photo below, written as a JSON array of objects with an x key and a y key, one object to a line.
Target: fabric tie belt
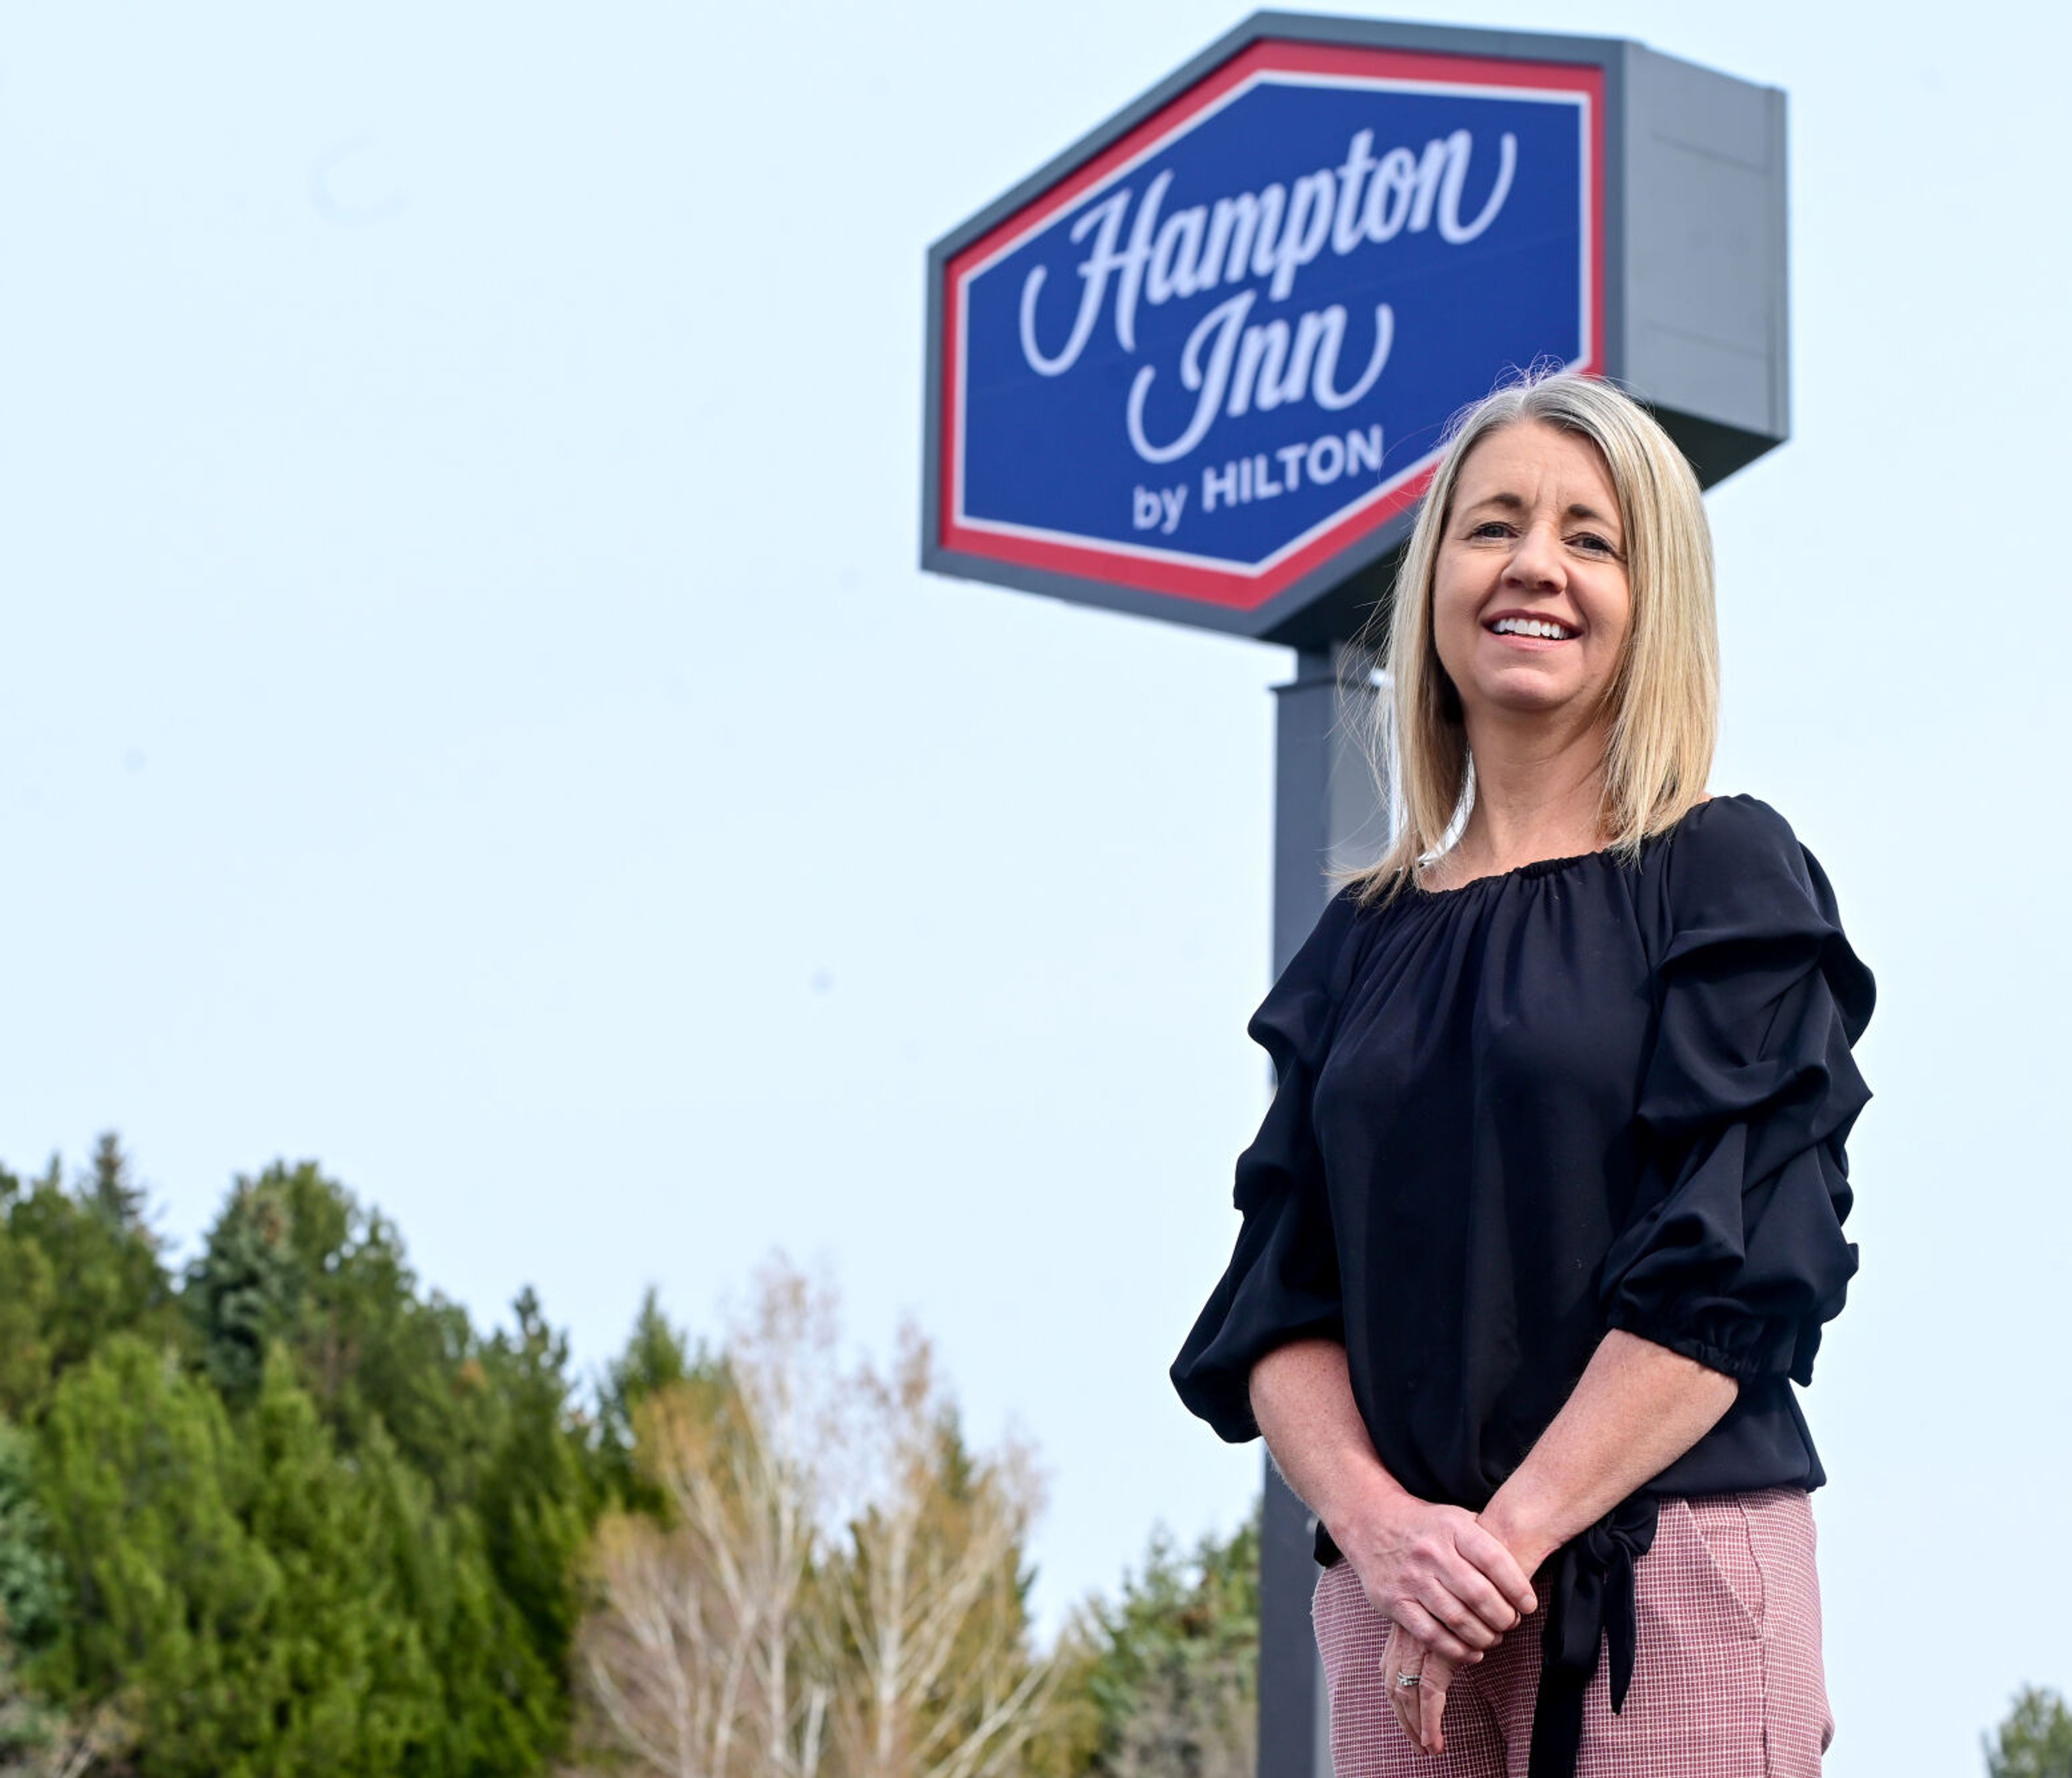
[{"x": 1591, "y": 1601}]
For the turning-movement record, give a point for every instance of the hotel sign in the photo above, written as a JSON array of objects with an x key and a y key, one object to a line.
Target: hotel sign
[{"x": 1201, "y": 367}]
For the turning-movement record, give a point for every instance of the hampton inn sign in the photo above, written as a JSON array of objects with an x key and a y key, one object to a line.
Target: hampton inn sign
[{"x": 1200, "y": 365}]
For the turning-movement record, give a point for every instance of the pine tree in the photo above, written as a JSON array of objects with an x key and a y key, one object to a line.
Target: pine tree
[
  {"x": 141, "y": 1481},
  {"x": 1164, "y": 1680},
  {"x": 342, "y": 1677},
  {"x": 657, "y": 1357},
  {"x": 245, "y": 1290},
  {"x": 537, "y": 1495},
  {"x": 256, "y": 1603},
  {"x": 29, "y": 1599},
  {"x": 486, "y": 1476},
  {"x": 28, "y": 1284},
  {"x": 109, "y": 1187},
  {"x": 71, "y": 1275},
  {"x": 2035, "y": 1739},
  {"x": 31, "y": 1584}
]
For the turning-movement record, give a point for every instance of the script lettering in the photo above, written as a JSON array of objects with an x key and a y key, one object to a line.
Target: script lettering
[{"x": 1233, "y": 364}]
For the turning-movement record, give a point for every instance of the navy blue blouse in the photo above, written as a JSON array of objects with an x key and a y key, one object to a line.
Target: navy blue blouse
[{"x": 1584, "y": 1094}]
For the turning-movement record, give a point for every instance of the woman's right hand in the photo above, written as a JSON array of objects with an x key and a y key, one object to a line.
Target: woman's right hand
[
  {"x": 1437, "y": 1574},
  {"x": 1433, "y": 1570}
]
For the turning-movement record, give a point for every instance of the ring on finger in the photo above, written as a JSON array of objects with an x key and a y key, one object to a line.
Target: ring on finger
[{"x": 1406, "y": 1680}]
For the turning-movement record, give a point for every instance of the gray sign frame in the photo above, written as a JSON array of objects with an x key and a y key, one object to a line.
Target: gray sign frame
[{"x": 1696, "y": 322}]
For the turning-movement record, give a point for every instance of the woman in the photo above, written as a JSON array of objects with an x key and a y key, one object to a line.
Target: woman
[{"x": 1546, "y": 1216}]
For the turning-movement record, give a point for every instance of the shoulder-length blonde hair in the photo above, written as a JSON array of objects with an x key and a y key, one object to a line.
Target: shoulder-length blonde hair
[{"x": 1664, "y": 694}]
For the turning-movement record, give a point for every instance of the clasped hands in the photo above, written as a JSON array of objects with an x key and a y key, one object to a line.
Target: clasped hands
[{"x": 1451, "y": 1589}]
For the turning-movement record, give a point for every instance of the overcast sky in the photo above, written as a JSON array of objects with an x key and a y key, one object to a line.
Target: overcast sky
[{"x": 473, "y": 718}]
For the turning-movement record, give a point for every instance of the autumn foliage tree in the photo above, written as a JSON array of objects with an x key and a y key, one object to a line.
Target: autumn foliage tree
[{"x": 833, "y": 1585}]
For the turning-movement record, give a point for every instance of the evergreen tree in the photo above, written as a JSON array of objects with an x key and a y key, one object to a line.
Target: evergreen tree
[
  {"x": 485, "y": 1474},
  {"x": 245, "y": 1290},
  {"x": 256, "y": 1603},
  {"x": 142, "y": 1483},
  {"x": 109, "y": 1187},
  {"x": 29, "y": 1599},
  {"x": 30, "y": 1586},
  {"x": 657, "y": 1357},
  {"x": 2035, "y": 1739},
  {"x": 293, "y": 1257},
  {"x": 1164, "y": 1680},
  {"x": 502, "y": 1710},
  {"x": 344, "y": 1685},
  {"x": 538, "y": 1496},
  {"x": 28, "y": 1282},
  {"x": 71, "y": 1275}
]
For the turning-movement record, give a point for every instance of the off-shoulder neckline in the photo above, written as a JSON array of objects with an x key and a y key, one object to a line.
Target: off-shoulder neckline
[{"x": 1550, "y": 867}]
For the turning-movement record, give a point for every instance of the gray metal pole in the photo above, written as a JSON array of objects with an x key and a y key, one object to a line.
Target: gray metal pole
[{"x": 1327, "y": 812}]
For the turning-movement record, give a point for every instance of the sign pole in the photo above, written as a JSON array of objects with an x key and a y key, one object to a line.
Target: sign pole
[
  {"x": 1328, "y": 812},
  {"x": 1294, "y": 1714}
]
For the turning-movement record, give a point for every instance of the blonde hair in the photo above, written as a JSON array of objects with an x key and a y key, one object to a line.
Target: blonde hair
[{"x": 1664, "y": 694}]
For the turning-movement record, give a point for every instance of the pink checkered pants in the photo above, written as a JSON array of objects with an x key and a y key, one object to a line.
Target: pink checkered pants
[{"x": 1727, "y": 1683}]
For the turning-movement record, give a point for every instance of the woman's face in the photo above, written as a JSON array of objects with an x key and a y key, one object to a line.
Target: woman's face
[{"x": 1530, "y": 606}]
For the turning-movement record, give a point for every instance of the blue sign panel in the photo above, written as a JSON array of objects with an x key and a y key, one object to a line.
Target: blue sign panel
[{"x": 1221, "y": 352}]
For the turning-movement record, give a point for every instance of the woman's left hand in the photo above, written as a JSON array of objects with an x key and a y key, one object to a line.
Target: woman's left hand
[{"x": 1419, "y": 1708}]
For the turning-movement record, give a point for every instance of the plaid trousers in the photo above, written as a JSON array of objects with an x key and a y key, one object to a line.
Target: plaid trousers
[{"x": 1727, "y": 1684}]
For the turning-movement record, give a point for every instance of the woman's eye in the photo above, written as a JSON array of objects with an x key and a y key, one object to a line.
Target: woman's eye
[
  {"x": 1597, "y": 545},
  {"x": 1491, "y": 527}
]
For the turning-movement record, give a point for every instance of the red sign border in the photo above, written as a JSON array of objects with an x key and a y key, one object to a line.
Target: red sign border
[{"x": 1223, "y": 588}]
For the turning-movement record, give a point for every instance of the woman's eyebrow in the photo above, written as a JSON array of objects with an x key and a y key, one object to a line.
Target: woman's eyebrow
[{"x": 1514, "y": 503}]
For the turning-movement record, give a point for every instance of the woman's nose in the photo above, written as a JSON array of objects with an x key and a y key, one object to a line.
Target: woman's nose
[{"x": 1537, "y": 560}]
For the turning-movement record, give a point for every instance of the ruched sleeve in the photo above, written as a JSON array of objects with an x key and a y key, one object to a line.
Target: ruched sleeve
[
  {"x": 1282, "y": 1282},
  {"x": 1735, "y": 1256}
]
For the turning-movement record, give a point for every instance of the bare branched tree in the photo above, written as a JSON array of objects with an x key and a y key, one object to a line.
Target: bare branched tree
[
  {"x": 693, "y": 1657},
  {"x": 835, "y": 1589},
  {"x": 928, "y": 1595}
]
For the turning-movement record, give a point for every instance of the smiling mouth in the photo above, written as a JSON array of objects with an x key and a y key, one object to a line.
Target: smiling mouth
[{"x": 1538, "y": 629}]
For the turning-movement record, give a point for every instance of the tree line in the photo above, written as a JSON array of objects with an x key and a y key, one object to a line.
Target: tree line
[{"x": 285, "y": 1510}]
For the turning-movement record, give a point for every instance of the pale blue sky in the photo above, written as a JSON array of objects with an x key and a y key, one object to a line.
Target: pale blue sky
[{"x": 472, "y": 717}]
